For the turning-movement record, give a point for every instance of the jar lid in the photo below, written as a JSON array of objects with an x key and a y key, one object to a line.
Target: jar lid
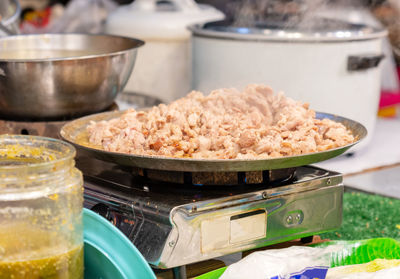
[
  {"x": 154, "y": 19},
  {"x": 294, "y": 29},
  {"x": 108, "y": 253}
]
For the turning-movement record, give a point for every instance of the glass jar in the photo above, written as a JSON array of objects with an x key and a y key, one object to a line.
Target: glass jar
[{"x": 41, "y": 198}]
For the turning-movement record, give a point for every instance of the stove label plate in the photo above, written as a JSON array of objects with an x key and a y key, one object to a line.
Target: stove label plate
[
  {"x": 248, "y": 226},
  {"x": 221, "y": 232}
]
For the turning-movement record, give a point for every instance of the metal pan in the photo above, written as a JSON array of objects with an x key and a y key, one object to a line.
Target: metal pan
[
  {"x": 59, "y": 76},
  {"x": 75, "y": 133}
]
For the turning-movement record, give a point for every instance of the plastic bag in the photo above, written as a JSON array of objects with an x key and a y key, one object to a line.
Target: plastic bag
[
  {"x": 294, "y": 262},
  {"x": 373, "y": 259},
  {"x": 80, "y": 16},
  {"x": 308, "y": 263}
]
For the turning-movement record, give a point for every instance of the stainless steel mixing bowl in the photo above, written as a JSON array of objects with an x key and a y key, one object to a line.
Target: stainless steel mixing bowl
[{"x": 51, "y": 76}]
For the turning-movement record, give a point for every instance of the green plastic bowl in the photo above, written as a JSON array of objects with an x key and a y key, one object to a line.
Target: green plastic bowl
[{"x": 108, "y": 253}]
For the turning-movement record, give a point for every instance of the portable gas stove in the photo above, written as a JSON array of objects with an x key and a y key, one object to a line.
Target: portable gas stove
[{"x": 175, "y": 218}]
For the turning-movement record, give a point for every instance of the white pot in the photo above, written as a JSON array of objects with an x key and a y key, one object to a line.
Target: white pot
[
  {"x": 163, "y": 65},
  {"x": 309, "y": 67}
]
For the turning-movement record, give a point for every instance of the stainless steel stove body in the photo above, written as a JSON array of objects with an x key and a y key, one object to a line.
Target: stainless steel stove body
[{"x": 174, "y": 225}]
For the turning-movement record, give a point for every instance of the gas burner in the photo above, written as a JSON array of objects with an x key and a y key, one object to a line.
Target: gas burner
[
  {"x": 123, "y": 178},
  {"x": 110, "y": 171},
  {"x": 217, "y": 178},
  {"x": 51, "y": 127},
  {"x": 45, "y": 127}
]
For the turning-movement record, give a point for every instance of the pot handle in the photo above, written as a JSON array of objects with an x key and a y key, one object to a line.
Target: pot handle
[
  {"x": 15, "y": 16},
  {"x": 363, "y": 62}
]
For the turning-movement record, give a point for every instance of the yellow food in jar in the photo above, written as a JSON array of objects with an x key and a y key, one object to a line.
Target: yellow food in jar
[
  {"x": 27, "y": 251},
  {"x": 62, "y": 266}
]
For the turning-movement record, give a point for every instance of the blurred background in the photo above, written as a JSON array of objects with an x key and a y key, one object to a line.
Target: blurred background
[
  {"x": 175, "y": 60},
  {"x": 40, "y": 15}
]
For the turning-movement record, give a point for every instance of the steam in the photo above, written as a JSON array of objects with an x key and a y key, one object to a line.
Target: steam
[{"x": 296, "y": 13}]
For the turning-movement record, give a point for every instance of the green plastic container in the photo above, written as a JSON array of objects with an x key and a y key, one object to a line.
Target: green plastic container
[
  {"x": 108, "y": 253},
  {"x": 353, "y": 252}
]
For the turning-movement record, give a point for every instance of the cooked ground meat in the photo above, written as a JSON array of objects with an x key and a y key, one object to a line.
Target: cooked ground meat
[{"x": 226, "y": 124}]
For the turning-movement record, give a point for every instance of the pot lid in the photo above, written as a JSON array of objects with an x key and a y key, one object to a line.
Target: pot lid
[
  {"x": 152, "y": 19},
  {"x": 294, "y": 29}
]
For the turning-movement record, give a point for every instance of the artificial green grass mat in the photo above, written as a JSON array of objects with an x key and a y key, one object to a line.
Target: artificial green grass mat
[{"x": 367, "y": 216}]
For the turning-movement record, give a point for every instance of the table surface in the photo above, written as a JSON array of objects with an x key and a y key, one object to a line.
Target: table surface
[{"x": 376, "y": 168}]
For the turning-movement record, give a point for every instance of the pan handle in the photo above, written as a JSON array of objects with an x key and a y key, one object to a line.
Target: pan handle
[
  {"x": 15, "y": 16},
  {"x": 363, "y": 62}
]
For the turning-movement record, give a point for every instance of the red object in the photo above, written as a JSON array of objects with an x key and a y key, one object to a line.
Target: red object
[
  {"x": 38, "y": 18},
  {"x": 390, "y": 98}
]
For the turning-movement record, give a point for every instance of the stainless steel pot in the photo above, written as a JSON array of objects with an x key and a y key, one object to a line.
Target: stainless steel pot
[{"x": 62, "y": 75}]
